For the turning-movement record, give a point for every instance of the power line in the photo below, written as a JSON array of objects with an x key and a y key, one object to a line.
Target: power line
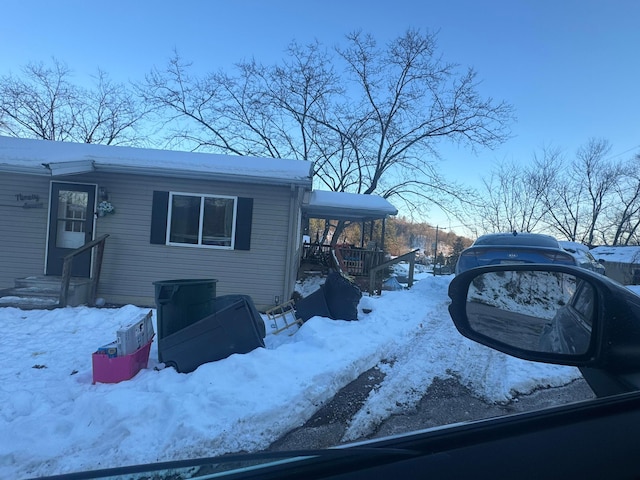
[{"x": 622, "y": 153}]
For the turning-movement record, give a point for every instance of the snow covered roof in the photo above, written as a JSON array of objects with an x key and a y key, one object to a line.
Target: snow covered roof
[
  {"x": 48, "y": 158},
  {"x": 619, "y": 254},
  {"x": 346, "y": 206},
  {"x": 573, "y": 245}
]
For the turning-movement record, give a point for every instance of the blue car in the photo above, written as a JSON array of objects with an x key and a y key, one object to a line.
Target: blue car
[{"x": 513, "y": 248}]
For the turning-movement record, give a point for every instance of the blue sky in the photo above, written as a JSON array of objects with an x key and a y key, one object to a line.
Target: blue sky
[{"x": 570, "y": 68}]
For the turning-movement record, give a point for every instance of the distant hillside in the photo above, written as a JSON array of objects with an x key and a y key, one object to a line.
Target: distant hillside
[{"x": 402, "y": 236}]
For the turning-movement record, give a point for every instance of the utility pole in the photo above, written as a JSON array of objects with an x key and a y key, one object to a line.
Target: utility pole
[{"x": 435, "y": 252}]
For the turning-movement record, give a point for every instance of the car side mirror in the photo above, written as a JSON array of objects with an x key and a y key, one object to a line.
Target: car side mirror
[
  {"x": 536, "y": 315},
  {"x": 549, "y": 313}
]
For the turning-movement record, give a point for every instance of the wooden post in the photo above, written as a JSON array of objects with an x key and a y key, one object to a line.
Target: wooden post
[
  {"x": 412, "y": 265},
  {"x": 410, "y": 256},
  {"x": 66, "y": 278},
  {"x": 68, "y": 263},
  {"x": 97, "y": 267}
]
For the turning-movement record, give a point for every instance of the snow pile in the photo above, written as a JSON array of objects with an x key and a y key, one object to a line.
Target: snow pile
[{"x": 59, "y": 422}]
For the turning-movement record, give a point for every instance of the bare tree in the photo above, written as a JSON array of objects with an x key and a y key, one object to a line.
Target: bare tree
[
  {"x": 579, "y": 196},
  {"x": 625, "y": 214},
  {"x": 108, "y": 114},
  {"x": 37, "y": 106},
  {"x": 44, "y": 103},
  {"x": 601, "y": 177},
  {"x": 515, "y": 196},
  {"x": 496, "y": 210},
  {"x": 374, "y": 129},
  {"x": 591, "y": 199},
  {"x": 563, "y": 201}
]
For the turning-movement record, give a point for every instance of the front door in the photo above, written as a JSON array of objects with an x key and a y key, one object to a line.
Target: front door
[{"x": 71, "y": 217}]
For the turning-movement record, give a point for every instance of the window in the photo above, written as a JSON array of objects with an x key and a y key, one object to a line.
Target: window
[
  {"x": 203, "y": 220},
  {"x": 583, "y": 303},
  {"x": 189, "y": 219},
  {"x": 72, "y": 216}
]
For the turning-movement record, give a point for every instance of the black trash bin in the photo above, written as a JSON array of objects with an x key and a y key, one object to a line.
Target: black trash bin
[
  {"x": 234, "y": 327},
  {"x": 337, "y": 299},
  {"x": 314, "y": 304},
  {"x": 181, "y": 303},
  {"x": 342, "y": 297}
]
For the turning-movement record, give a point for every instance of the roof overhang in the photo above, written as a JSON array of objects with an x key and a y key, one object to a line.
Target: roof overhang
[
  {"x": 159, "y": 171},
  {"x": 346, "y": 206},
  {"x": 69, "y": 168},
  {"x": 48, "y": 158}
]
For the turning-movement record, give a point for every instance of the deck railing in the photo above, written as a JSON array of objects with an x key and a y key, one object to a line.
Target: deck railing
[
  {"x": 367, "y": 265},
  {"x": 317, "y": 253},
  {"x": 358, "y": 261}
]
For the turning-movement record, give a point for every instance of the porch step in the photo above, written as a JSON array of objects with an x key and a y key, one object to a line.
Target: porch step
[{"x": 43, "y": 292}]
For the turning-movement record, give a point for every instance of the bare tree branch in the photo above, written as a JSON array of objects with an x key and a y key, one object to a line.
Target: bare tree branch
[
  {"x": 370, "y": 118},
  {"x": 44, "y": 103}
]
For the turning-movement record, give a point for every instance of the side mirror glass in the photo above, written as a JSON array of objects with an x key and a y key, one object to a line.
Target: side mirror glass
[{"x": 534, "y": 311}]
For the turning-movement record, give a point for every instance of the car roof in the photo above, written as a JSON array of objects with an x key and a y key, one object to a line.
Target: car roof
[
  {"x": 573, "y": 246},
  {"x": 520, "y": 239}
]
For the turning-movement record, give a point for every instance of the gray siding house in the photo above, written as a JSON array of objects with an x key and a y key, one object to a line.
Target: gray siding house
[{"x": 176, "y": 215}]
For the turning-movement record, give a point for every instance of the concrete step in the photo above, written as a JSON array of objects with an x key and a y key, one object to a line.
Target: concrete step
[
  {"x": 28, "y": 299},
  {"x": 43, "y": 292},
  {"x": 35, "y": 291}
]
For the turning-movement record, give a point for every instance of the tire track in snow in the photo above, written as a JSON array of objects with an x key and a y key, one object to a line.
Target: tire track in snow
[
  {"x": 438, "y": 350},
  {"x": 422, "y": 358}
]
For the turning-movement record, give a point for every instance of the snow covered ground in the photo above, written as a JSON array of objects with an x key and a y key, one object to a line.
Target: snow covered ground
[{"x": 54, "y": 420}]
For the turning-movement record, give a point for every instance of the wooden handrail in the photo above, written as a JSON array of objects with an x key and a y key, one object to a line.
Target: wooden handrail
[
  {"x": 411, "y": 256},
  {"x": 95, "y": 277}
]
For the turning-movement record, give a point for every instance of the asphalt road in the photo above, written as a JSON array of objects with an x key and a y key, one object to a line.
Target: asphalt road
[
  {"x": 445, "y": 402},
  {"x": 509, "y": 327}
]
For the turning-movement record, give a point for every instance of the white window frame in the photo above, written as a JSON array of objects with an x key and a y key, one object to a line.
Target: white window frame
[{"x": 202, "y": 197}]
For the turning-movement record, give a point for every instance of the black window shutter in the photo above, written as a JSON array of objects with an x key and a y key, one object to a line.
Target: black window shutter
[
  {"x": 159, "y": 212},
  {"x": 244, "y": 217}
]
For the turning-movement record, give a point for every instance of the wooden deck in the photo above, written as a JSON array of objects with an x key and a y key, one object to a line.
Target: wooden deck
[
  {"x": 366, "y": 266},
  {"x": 351, "y": 260}
]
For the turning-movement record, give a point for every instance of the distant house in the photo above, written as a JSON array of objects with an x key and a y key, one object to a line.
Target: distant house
[
  {"x": 168, "y": 215},
  {"x": 621, "y": 263}
]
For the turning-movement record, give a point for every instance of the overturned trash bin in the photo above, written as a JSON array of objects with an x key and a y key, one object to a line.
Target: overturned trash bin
[
  {"x": 337, "y": 299},
  {"x": 183, "y": 302},
  {"x": 312, "y": 305},
  {"x": 235, "y": 326}
]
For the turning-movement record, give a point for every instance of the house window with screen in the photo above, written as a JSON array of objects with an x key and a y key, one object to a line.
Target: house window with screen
[{"x": 202, "y": 220}]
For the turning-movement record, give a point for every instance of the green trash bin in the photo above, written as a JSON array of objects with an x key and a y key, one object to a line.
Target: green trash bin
[
  {"x": 183, "y": 302},
  {"x": 235, "y": 327}
]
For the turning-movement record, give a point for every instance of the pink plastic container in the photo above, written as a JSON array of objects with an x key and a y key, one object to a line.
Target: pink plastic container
[{"x": 116, "y": 369}]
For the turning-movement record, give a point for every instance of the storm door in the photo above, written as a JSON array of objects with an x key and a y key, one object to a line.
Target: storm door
[{"x": 71, "y": 217}]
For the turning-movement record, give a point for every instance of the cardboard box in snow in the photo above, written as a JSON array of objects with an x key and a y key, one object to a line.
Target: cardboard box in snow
[
  {"x": 110, "y": 349},
  {"x": 136, "y": 335}
]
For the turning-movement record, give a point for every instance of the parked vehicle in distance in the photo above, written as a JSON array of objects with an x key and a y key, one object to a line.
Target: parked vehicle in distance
[
  {"x": 513, "y": 248},
  {"x": 583, "y": 256},
  {"x": 569, "y": 331}
]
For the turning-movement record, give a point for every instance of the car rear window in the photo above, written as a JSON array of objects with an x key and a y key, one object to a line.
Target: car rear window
[{"x": 520, "y": 239}]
